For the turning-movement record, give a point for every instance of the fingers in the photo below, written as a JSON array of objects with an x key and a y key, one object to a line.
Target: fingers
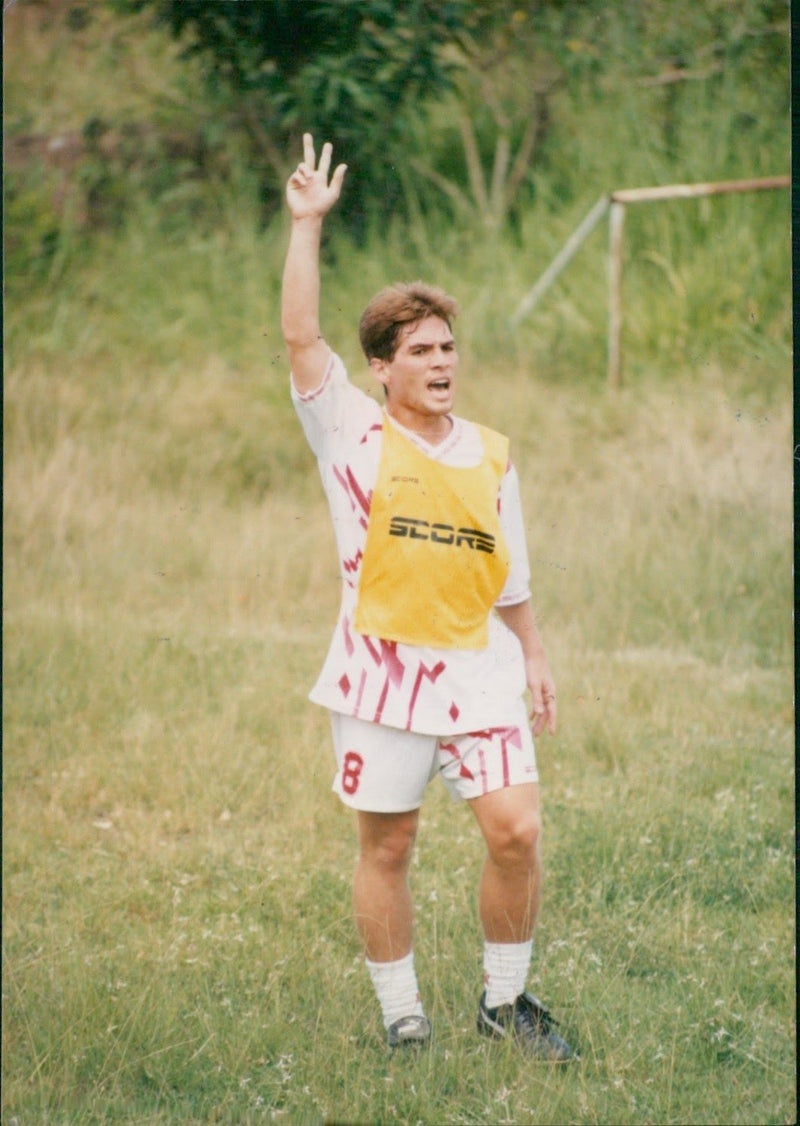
[
  {"x": 552, "y": 714},
  {"x": 305, "y": 170},
  {"x": 308, "y": 190},
  {"x": 543, "y": 719},
  {"x": 544, "y": 714},
  {"x": 538, "y": 716},
  {"x": 538, "y": 719},
  {"x": 300, "y": 177},
  {"x": 337, "y": 178},
  {"x": 324, "y": 167},
  {"x": 325, "y": 160}
]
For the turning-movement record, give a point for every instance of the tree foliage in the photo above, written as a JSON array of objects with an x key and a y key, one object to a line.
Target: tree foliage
[
  {"x": 356, "y": 73},
  {"x": 374, "y": 77},
  {"x": 454, "y": 109}
]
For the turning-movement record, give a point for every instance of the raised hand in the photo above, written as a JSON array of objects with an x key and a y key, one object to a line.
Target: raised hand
[{"x": 308, "y": 192}]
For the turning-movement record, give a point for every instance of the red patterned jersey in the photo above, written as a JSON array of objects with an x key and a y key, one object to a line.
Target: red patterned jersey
[{"x": 431, "y": 691}]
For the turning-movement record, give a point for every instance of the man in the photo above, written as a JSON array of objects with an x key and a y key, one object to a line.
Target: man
[{"x": 421, "y": 677}]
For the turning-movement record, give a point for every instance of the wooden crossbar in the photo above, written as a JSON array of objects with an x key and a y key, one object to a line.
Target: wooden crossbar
[
  {"x": 614, "y": 203},
  {"x": 693, "y": 191}
]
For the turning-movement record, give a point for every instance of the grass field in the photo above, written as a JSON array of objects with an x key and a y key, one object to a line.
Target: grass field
[{"x": 177, "y": 935}]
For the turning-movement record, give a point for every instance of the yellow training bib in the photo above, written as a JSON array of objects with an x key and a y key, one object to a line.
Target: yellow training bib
[{"x": 435, "y": 559}]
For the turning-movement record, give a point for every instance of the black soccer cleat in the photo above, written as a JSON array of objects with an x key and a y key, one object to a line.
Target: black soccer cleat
[
  {"x": 528, "y": 1022},
  {"x": 409, "y": 1032}
]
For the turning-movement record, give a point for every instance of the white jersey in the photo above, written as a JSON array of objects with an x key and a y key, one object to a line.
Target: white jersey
[{"x": 427, "y": 690}]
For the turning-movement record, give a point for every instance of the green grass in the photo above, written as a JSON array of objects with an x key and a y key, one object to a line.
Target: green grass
[
  {"x": 177, "y": 935},
  {"x": 177, "y": 939}
]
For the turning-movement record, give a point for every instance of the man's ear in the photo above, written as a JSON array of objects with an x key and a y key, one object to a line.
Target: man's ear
[{"x": 378, "y": 368}]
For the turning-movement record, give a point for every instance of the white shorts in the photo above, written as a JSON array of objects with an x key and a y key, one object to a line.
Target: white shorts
[{"x": 386, "y": 770}]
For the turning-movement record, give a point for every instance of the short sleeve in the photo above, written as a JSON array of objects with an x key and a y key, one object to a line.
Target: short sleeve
[
  {"x": 517, "y": 586},
  {"x": 334, "y": 413}
]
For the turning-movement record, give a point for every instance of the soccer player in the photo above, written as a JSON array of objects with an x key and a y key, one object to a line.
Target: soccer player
[{"x": 435, "y": 641}]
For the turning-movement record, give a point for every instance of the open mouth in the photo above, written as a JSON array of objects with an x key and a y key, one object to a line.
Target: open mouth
[{"x": 439, "y": 385}]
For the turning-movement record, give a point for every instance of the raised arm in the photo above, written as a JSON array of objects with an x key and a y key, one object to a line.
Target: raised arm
[{"x": 310, "y": 197}]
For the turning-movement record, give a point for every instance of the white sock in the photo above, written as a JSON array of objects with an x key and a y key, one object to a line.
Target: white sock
[
  {"x": 396, "y": 986},
  {"x": 505, "y": 970}
]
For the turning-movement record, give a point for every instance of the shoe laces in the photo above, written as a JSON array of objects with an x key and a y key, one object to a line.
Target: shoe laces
[{"x": 533, "y": 1013}]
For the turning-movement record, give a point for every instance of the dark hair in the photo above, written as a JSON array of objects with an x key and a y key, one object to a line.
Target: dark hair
[{"x": 394, "y": 308}]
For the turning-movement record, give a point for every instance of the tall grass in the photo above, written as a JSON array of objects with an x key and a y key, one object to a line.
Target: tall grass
[{"x": 177, "y": 943}]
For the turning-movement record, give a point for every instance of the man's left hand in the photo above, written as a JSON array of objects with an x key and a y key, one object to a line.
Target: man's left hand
[{"x": 543, "y": 691}]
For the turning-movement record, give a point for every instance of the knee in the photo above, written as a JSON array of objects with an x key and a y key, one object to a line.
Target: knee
[
  {"x": 514, "y": 841},
  {"x": 391, "y": 848}
]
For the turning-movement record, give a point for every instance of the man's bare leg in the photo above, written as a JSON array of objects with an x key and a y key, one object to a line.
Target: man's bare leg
[
  {"x": 385, "y": 918},
  {"x": 510, "y": 889},
  {"x": 509, "y": 905},
  {"x": 382, "y": 902}
]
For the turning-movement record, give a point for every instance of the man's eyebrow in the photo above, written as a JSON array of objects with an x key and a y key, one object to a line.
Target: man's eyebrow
[{"x": 428, "y": 344}]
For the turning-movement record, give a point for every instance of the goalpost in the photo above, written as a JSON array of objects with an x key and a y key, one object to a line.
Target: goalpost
[{"x": 615, "y": 204}]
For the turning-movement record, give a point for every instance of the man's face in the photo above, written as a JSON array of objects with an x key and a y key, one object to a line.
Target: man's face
[{"x": 420, "y": 378}]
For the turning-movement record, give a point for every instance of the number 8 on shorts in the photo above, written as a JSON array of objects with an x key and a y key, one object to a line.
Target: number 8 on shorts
[{"x": 352, "y": 765}]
